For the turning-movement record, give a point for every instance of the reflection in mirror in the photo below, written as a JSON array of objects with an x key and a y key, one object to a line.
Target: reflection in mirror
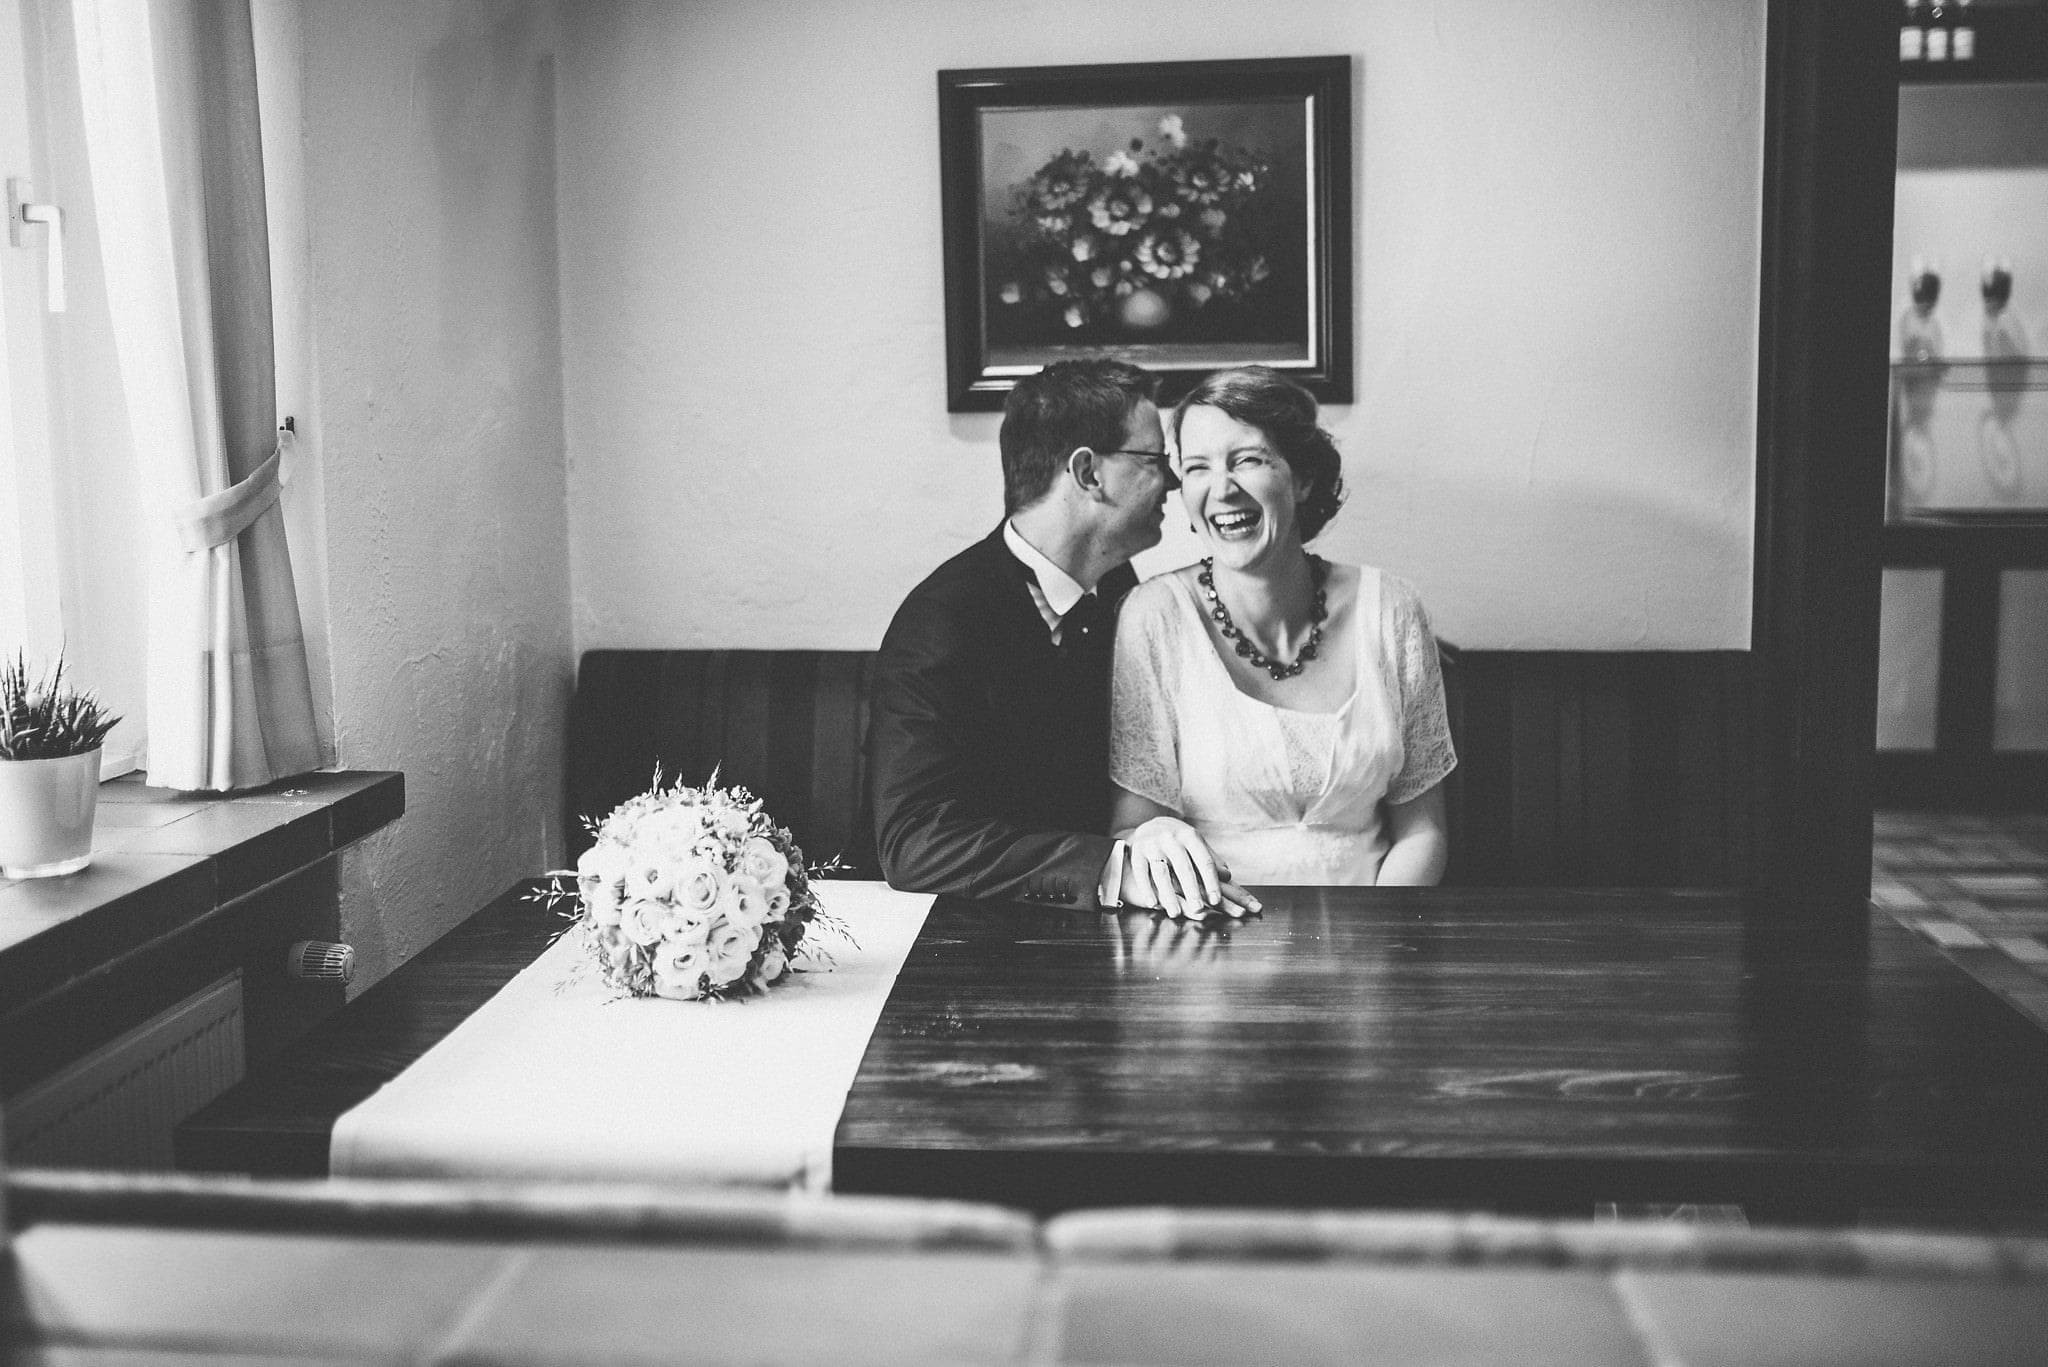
[{"x": 1969, "y": 433}]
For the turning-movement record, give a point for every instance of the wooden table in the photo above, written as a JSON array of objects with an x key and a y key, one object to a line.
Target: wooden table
[
  {"x": 1503, "y": 1049},
  {"x": 1516, "y": 1050}
]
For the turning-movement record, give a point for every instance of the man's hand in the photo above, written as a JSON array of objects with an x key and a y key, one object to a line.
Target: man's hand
[{"x": 1173, "y": 869}]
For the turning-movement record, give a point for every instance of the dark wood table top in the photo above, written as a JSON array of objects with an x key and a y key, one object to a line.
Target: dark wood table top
[{"x": 1538, "y": 1051}]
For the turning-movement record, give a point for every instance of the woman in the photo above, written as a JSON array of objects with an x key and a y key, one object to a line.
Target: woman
[{"x": 1291, "y": 710}]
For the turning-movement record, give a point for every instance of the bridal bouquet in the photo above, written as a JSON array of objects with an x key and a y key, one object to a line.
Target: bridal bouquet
[{"x": 693, "y": 892}]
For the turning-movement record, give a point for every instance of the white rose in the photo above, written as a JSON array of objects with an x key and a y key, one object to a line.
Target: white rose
[
  {"x": 680, "y": 923},
  {"x": 774, "y": 963},
  {"x": 746, "y": 902},
  {"x": 679, "y": 968},
  {"x": 651, "y": 877},
  {"x": 778, "y": 901},
  {"x": 729, "y": 947},
  {"x": 762, "y": 862},
  {"x": 699, "y": 883},
  {"x": 734, "y": 823},
  {"x": 641, "y": 920}
]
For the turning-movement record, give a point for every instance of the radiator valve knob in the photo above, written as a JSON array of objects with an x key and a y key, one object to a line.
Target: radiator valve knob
[{"x": 320, "y": 961}]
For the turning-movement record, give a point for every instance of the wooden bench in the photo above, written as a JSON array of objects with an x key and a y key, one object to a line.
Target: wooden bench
[{"x": 1575, "y": 769}]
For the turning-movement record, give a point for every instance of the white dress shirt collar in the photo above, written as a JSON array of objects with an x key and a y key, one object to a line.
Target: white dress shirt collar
[{"x": 1059, "y": 589}]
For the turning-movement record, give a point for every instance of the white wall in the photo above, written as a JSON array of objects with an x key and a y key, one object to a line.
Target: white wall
[
  {"x": 430, "y": 213},
  {"x": 1557, "y": 256}
]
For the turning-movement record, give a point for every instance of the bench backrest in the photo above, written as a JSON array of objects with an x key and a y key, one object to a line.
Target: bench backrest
[{"x": 1575, "y": 768}]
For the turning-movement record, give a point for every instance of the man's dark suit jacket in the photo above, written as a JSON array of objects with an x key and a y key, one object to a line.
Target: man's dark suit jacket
[{"x": 988, "y": 746}]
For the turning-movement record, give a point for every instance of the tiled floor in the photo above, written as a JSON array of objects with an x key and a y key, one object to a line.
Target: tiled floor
[{"x": 1976, "y": 886}]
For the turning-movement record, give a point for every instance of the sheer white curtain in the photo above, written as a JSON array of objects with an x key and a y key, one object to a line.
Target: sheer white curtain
[{"x": 168, "y": 95}]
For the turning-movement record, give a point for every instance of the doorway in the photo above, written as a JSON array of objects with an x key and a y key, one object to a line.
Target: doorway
[{"x": 1960, "y": 848}]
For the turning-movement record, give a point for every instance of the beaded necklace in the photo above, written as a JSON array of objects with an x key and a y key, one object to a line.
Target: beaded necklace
[{"x": 1318, "y": 573}]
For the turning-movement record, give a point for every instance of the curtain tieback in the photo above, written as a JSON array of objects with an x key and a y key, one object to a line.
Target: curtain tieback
[{"x": 219, "y": 518}]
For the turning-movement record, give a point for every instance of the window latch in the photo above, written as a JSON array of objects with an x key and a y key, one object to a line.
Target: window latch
[{"x": 23, "y": 215}]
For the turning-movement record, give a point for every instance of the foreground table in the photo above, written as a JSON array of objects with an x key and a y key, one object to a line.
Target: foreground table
[{"x": 1511, "y": 1050}]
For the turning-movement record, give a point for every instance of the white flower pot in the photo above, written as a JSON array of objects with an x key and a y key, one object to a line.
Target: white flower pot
[{"x": 46, "y": 809}]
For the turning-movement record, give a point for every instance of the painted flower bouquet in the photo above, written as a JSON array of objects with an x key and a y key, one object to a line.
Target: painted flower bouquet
[
  {"x": 1151, "y": 229},
  {"x": 692, "y": 893}
]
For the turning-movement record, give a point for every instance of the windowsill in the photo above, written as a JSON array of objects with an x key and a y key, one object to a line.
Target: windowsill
[{"x": 163, "y": 860}]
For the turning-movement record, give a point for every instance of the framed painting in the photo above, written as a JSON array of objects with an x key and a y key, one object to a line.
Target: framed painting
[{"x": 1184, "y": 216}]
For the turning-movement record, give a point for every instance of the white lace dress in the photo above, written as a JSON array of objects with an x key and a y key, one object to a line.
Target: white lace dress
[{"x": 1281, "y": 796}]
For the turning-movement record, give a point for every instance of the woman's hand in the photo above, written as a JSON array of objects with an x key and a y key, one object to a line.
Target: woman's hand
[
  {"x": 1154, "y": 877},
  {"x": 1173, "y": 869}
]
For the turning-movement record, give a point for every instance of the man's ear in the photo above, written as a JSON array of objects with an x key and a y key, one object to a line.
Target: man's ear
[{"x": 1084, "y": 467}]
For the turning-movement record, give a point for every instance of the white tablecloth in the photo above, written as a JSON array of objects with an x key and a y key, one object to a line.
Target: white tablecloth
[{"x": 571, "y": 1084}]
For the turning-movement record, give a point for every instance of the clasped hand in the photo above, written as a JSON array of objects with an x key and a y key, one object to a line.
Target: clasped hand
[{"x": 1171, "y": 868}]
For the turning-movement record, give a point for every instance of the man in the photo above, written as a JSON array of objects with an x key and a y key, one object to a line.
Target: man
[{"x": 989, "y": 730}]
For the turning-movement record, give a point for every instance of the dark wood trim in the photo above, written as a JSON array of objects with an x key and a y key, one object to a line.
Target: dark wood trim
[
  {"x": 1967, "y": 683},
  {"x": 2012, "y": 543},
  {"x": 1830, "y": 147},
  {"x": 1932, "y": 780}
]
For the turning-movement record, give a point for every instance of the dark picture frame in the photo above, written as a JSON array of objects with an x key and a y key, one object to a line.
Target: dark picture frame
[{"x": 1185, "y": 216}]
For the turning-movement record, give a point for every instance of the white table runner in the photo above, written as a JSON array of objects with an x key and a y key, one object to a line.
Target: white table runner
[{"x": 570, "y": 1084}]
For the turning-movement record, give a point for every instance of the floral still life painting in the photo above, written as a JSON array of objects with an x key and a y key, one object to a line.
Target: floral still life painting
[
  {"x": 1170, "y": 235},
  {"x": 692, "y": 893},
  {"x": 1182, "y": 216}
]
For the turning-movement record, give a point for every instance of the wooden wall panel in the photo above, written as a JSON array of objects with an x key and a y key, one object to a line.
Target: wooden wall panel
[
  {"x": 1601, "y": 768},
  {"x": 789, "y": 725}
]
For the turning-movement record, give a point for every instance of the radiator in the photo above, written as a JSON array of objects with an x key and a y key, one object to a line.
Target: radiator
[{"x": 117, "y": 1106}]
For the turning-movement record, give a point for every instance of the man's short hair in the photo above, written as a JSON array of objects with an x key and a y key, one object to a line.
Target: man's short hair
[{"x": 1066, "y": 405}]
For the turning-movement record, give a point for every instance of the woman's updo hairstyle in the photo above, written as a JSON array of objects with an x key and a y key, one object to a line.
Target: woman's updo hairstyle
[{"x": 1285, "y": 414}]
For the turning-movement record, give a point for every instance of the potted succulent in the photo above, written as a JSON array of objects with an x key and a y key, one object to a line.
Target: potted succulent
[{"x": 50, "y": 737}]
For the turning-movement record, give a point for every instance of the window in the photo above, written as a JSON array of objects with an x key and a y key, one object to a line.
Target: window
[
  {"x": 71, "y": 574},
  {"x": 73, "y": 543}
]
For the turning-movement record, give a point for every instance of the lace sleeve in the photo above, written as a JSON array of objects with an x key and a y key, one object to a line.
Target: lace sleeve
[
  {"x": 1144, "y": 747},
  {"x": 1425, "y": 726}
]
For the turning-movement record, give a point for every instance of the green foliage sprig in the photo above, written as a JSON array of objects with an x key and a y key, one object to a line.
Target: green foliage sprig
[{"x": 47, "y": 720}]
